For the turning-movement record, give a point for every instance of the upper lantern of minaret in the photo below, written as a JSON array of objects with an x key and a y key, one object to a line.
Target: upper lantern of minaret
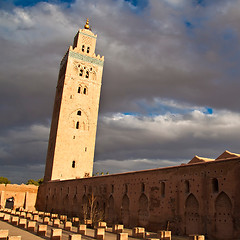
[{"x": 85, "y": 42}]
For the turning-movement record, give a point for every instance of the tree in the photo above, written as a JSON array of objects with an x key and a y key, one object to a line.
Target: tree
[
  {"x": 32, "y": 182},
  {"x": 91, "y": 210},
  {"x": 4, "y": 180},
  {"x": 40, "y": 181}
]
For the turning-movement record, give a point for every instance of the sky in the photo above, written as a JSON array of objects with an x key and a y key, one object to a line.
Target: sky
[{"x": 170, "y": 83}]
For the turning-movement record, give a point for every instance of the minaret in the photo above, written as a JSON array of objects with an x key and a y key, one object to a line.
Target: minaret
[{"x": 74, "y": 121}]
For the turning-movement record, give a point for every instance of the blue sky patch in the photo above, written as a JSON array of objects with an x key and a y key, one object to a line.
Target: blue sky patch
[
  {"x": 209, "y": 110},
  {"x": 29, "y": 3}
]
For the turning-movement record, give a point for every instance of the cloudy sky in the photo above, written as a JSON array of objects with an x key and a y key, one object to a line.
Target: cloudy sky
[{"x": 170, "y": 83}]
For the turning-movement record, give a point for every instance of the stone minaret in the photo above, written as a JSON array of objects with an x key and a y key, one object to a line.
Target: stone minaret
[{"x": 74, "y": 120}]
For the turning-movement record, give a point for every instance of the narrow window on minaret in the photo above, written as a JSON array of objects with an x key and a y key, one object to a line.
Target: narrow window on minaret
[
  {"x": 87, "y": 74},
  {"x": 82, "y": 48},
  {"x": 79, "y": 113},
  {"x": 77, "y": 125},
  {"x": 85, "y": 91},
  {"x": 79, "y": 89},
  {"x": 81, "y": 72},
  {"x": 88, "y": 49},
  {"x": 73, "y": 164}
]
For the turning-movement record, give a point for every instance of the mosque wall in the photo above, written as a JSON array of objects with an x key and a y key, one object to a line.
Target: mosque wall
[{"x": 195, "y": 198}]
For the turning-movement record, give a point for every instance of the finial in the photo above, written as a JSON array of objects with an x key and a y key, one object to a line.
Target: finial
[{"x": 87, "y": 24}]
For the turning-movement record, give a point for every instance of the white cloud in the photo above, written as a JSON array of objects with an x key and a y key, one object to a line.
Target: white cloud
[
  {"x": 169, "y": 136},
  {"x": 154, "y": 63}
]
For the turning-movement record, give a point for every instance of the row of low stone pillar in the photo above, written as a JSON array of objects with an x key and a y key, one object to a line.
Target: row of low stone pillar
[
  {"x": 56, "y": 233},
  {"x": 137, "y": 232}
]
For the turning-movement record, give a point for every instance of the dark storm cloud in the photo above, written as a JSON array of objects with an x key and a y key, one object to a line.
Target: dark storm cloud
[{"x": 160, "y": 54}]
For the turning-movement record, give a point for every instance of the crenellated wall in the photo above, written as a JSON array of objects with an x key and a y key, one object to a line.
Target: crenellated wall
[{"x": 201, "y": 198}]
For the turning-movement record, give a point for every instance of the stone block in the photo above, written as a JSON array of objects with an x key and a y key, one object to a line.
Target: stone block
[
  {"x": 6, "y": 218},
  {"x": 164, "y": 235},
  {"x": 68, "y": 226},
  {"x": 99, "y": 233},
  {"x": 31, "y": 226},
  {"x": 22, "y": 222},
  {"x": 22, "y": 214},
  {"x": 42, "y": 230},
  {"x": 75, "y": 221},
  {"x": 14, "y": 220},
  {"x": 3, "y": 234},
  {"x": 63, "y": 218},
  {"x": 13, "y": 212},
  {"x": 2, "y": 215},
  {"x": 196, "y": 237},
  {"x": 46, "y": 214},
  {"x": 46, "y": 220},
  {"x": 56, "y": 234},
  {"x": 117, "y": 228},
  {"x": 102, "y": 225},
  {"x": 14, "y": 238},
  {"x": 82, "y": 229},
  {"x": 138, "y": 232},
  {"x": 88, "y": 222},
  {"x": 29, "y": 216},
  {"x": 54, "y": 216},
  {"x": 17, "y": 213},
  {"x": 75, "y": 237},
  {"x": 41, "y": 214},
  {"x": 35, "y": 218},
  {"x": 56, "y": 223},
  {"x": 35, "y": 212},
  {"x": 122, "y": 236}
]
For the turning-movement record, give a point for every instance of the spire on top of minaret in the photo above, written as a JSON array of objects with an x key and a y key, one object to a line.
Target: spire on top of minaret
[{"x": 87, "y": 24}]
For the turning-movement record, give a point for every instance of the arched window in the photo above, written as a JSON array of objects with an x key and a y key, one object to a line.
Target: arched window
[
  {"x": 126, "y": 188},
  {"x": 77, "y": 125},
  {"x": 81, "y": 72},
  {"x": 163, "y": 189},
  {"x": 73, "y": 164},
  {"x": 187, "y": 186},
  {"x": 87, "y": 74},
  {"x": 79, "y": 89},
  {"x": 85, "y": 90},
  {"x": 88, "y": 49},
  {"x": 215, "y": 187},
  {"x": 79, "y": 113},
  {"x": 83, "y": 48}
]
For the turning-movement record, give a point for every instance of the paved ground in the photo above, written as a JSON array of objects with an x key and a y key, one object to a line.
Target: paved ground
[{"x": 16, "y": 231}]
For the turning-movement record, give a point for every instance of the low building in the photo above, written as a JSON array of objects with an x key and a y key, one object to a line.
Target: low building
[{"x": 15, "y": 196}]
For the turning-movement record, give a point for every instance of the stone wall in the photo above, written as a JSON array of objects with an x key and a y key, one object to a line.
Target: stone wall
[
  {"x": 24, "y": 195},
  {"x": 201, "y": 198}
]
